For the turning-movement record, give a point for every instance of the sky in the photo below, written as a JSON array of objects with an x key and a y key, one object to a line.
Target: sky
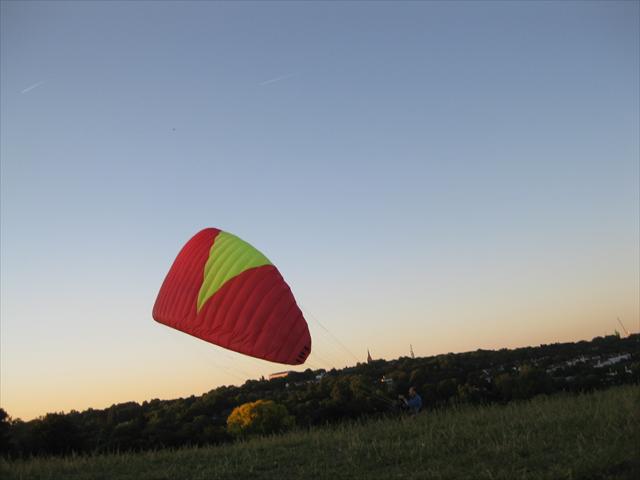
[{"x": 450, "y": 176}]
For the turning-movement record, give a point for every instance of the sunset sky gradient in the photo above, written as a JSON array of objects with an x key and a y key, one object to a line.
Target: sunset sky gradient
[{"x": 454, "y": 176}]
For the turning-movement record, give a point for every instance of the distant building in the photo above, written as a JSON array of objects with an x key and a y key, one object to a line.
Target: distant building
[
  {"x": 388, "y": 382},
  {"x": 280, "y": 374},
  {"x": 369, "y": 359},
  {"x": 613, "y": 360}
]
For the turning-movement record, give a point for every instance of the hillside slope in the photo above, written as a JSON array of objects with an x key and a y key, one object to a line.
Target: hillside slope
[{"x": 589, "y": 436}]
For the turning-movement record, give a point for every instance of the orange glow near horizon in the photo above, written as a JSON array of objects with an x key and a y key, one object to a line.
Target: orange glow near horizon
[{"x": 209, "y": 368}]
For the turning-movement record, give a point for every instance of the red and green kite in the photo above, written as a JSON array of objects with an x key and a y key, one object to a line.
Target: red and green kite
[{"x": 224, "y": 291}]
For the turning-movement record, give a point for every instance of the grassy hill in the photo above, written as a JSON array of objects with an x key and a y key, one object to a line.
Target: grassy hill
[{"x": 589, "y": 436}]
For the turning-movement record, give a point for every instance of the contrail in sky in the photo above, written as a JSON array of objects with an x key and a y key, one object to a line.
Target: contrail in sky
[
  {"x": 35, "y": 85},
  {"x": 277, "y": 79}
]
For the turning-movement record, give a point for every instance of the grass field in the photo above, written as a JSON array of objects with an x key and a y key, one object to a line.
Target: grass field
[{"x": 591, "y": 436}]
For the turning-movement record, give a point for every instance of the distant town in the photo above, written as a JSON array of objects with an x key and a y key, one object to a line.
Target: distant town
[{"x": 318, "y": 397}]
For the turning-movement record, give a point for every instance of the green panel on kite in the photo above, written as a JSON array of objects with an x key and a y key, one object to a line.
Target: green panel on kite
[{"x": 229, "y": 257}]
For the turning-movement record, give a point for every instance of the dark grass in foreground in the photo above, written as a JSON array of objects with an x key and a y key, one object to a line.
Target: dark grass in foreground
[{"x": 589, "y": 436}]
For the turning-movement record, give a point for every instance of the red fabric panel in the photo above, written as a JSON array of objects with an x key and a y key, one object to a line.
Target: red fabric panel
[
  {"x": 177, "y": 300},
  {"x": 253, "y": 313}
]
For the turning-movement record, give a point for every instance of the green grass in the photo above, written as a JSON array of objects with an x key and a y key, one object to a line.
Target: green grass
[{"x": 591, "y": 436}]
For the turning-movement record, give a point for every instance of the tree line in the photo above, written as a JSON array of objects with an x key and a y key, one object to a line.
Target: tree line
[{"x": 305, "y": 400}]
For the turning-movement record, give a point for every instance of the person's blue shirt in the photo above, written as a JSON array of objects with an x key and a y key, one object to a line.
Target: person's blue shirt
[{"x": 414, "y": 403}]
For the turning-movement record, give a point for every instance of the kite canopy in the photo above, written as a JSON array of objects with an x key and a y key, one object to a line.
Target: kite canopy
[{"x": 224, "y": 291}]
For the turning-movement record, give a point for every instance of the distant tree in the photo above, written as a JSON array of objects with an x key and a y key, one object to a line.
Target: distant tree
[
  {"x": 505, "y": 385},
  {"x": 56, "y": 434},
  {"x": 531, "y": 381},
  {"x": 126, "y": 435},
  {"x": 260, "y": 417},
  {"x": 447, "y": 388},
  {"x": 417, "y": 377},
  {"x": 469, "y": 393},
  {"x": 429, "y": 394},
  {"x": 587, "y": 382},
  {"x": 341, "y": 393},
  {"x": 400, "y": 379},
  {"x": 5, "y": 432}
]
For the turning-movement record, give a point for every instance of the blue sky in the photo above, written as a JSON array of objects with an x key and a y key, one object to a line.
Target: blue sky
[{"x": 454, "y": 175}]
